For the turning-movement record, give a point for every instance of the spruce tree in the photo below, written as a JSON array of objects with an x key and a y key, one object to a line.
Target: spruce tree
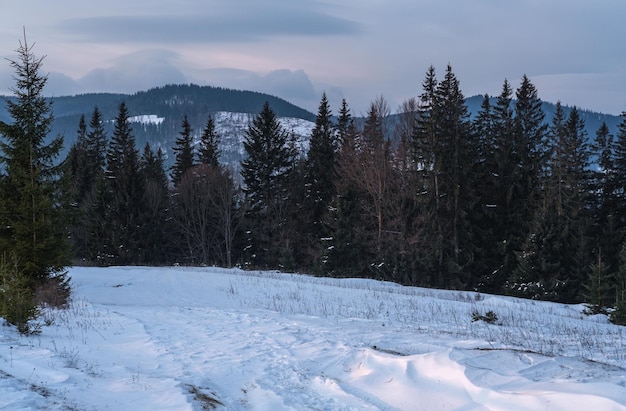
[
  {"x": 156, "y": 206},
  {"x": 619, "y": 177},
  {"x": 607, "y": 236},
  {"x": 33, "y": 233},
  {"x": 508, "y": 189},
  {"x": 85, "y": 168},
  {"x": 270, "y": 158},
  {"x": 345, "y": 251},
  {"x": 423, "y": 144},
  {"x": 209, "y": 152},
  {"x": 488, "y": 258},
  {"x": 76, "y": 170},
  {"x": 457, "y": 157},
  {"x": 446, "y": 156},
  {"x": 619, "y": 315},
  {"x": 555, "y": 258},
  {"x": 127, "y": 190},
  {"x": 96, "y": 142},
  {"x": 183, "y": 151},
  {"x": 319, "y": 179},
  {"x": 597, "y": 288}
]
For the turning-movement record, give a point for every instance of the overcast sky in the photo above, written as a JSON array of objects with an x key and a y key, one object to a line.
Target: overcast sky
[{"x": 573, "y": 50}]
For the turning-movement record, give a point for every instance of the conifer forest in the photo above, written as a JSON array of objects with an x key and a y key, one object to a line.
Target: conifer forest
[{"x": 501, "y": 202}]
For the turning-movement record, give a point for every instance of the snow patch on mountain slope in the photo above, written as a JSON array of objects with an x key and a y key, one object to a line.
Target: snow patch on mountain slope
[{"x": 146, "y": 119}]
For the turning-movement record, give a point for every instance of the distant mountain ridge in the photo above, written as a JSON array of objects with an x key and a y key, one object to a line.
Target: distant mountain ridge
[
  {"x": 169, "y": 104},
  {"x": 157, "y": 114}
]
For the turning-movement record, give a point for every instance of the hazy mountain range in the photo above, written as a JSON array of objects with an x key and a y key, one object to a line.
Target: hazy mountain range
[{"x": 157, "y": 114}]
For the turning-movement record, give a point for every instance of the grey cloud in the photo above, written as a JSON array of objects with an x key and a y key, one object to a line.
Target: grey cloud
[
  {"x": 152, "y": 68},
  {"x": 253, "y": 22},
  {"x": 293, "y": 83},
  {"x": 134, "y": 72},
  {"x": 294, "y": 86},
  {"x": 61, "y": 85}
]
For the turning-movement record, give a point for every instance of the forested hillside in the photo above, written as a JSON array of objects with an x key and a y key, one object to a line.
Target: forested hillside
[
  {"x": 517, "y": 197},
  {"x": 509, "y": 199},
  {"x": 169, "y": 103}
]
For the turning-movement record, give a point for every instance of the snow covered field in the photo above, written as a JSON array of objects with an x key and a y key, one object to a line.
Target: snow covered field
[{"x": 139, "y": 338}]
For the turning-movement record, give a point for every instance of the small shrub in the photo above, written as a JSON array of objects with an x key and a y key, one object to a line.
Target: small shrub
[
  {"x": 593, "y": 309},
  {"x": 54, "y": 292},
  {"x": 17, "y": 302},
  {"x": 490, "y": 317},
  {"x": 208, "y": 402},
  {"x": 618, "y": 316}
]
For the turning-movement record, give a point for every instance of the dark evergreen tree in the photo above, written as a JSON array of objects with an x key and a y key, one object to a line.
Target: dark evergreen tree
[
  {"x": 598, "y": 287},
  {"x": 85, "y": 169},
  {"x": 606, "y": 233},
  {"x": 266, "y": 170},
  {"x": 619, "y": 315},
  {"x": 156, "y": 207},
  {"x": 423, "y": 142},
  {"x": 127, "y": 192},
  {"x": 97, "y": 142},
  {"x": 183, "y": 150},
  {"x": 509, "y": 192},
  {"x": 573, "y": 207},
  {"x": 458, "y": 158},
  {"x": 488, "y": 260},
  {"x": 555, "y": 259},
  {"x": 209, "y": 152},
  {"x": 97, "y": 214},
  {"x": 446, "y": 156},
  {"x": 531, "y": 141},
  {"x": 619, "y": 177},
  {"x": 76, "y": 170},
  {"x": 345, "y": 250},
  {"x": 319, "y": 179},
  {"x": 515, "y": 174},
  {"x": 77, "y": 162},
  {"x": 33, "y": 233}
]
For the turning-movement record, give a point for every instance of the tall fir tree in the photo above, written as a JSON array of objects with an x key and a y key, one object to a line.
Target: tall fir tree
[
  {"x": 97, "y": 141},
  {"x": 619, "y": 176},
  {"x": 554, "y": 261},
  {"x": 345, "y": 251},
  {"x": 488, "y": 258},
  {"x": 319, "y": 181},
  {"x": 423, "y": 145},
  {"x": 508, "y": 190},
  {"x": 209, "y": 152},
  {"x": 76, "y": 170},
  {"x": 457, "y": 159},
  {"x": 183, "y": 151},
  {"x": 607, "y": 235},
  {"x": 269, "y": 162},
  {"x": 127, "y": 191},
  {"x": 87, "y": 228},
  {"x": 156, "y": 207},
  {"x": 445, "y": 157},
  {"x": 34, "y": 225}
]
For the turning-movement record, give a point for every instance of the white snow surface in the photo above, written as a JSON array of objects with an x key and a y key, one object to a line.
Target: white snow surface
[{"x": 138, "y": 338}]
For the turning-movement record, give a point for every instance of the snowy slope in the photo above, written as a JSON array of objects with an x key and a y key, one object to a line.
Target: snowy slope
[
  {"x": 232, "y": 127},
  {"x": 192, "y": 338}
]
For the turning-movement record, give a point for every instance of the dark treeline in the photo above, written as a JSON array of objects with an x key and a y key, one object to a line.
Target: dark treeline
[{"x": 505, "y": 202}]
